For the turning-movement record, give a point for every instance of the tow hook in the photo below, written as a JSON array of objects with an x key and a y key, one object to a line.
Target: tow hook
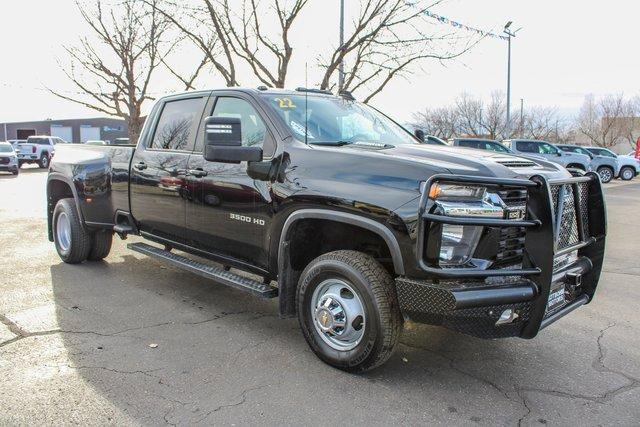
[{"x": 507, "y": 316}]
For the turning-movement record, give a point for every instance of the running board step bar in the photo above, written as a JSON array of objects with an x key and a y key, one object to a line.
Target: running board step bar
[{"x": 209, "y": 272}]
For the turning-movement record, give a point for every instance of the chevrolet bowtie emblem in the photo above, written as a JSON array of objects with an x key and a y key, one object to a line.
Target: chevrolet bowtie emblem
[{"x": 324, "y": 318}]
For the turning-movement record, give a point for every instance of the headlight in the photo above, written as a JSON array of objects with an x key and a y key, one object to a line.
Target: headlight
[{"x": 459, "y": 242}]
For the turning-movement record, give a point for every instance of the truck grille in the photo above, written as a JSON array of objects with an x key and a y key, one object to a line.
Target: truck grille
[
  {"x": 511, "y": 245},
  {"x": 568, "y": 234},
  {"x": 4, "y": 160}
]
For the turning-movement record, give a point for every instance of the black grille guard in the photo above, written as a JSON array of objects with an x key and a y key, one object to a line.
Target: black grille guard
[{"x": 541, "y": 231}]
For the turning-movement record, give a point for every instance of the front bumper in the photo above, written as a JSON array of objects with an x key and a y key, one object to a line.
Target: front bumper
[{"x": 537, "y": 292}]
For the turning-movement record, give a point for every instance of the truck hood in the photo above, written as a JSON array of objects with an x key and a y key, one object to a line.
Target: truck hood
[
  {"x": 386, "y": 177},
  {"x": 463, "y": 161}
]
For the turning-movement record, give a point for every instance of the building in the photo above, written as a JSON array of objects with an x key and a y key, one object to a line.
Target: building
[{"x": 71, "y": 130}]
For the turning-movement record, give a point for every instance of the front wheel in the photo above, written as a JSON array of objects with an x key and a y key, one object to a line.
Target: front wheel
[
  {"x": 348, "y": 310},
  {"x": 627, "y": 173},
  {"x": 72, "y": 241},
  {"x": 606, "y": 174}
]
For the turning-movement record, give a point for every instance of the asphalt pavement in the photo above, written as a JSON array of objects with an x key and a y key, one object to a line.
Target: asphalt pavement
[{"x": 129, "y": 341}]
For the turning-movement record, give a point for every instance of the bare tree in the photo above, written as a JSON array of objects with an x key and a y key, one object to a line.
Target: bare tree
[
  {"x": 247, "y": 37},
  {"x": 468, "y": 110},
  {"x": 541, "y": 123},
  {"x": 227, "y": 33},
  {"x": 388, "y": 39},
  {"x": 631, "y": 121},
  {"x": 441, "y": 122},
  {"x": 600, "y": 120},
  {"x": 113, "y": 73}
]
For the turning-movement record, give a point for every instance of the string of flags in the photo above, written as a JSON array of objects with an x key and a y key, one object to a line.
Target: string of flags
[{"x": 455, "y": 24}]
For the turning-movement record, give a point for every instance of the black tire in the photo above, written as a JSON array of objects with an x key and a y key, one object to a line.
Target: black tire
[
  {"x": 20, "y": 164},
  {"x": 16, "y": 171},
  {"x": 79, "y": 242},
  {"x": 100, "y": 245},
  {"x": 375, "y": 289},
  {"x": 627, "y": 173},
  {"x": 606, "y": 174},
  {"x": 43, "y": 163}
]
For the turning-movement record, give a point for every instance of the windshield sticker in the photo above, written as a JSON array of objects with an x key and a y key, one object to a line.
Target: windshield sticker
[
  {"x": 285, "y": 103},
  {"x": 299, "y": 129}
]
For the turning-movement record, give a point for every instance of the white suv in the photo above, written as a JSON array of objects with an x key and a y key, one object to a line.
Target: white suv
[{"x": 38, "y": 149}]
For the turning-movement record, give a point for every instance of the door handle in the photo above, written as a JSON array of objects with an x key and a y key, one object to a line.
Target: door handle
[
  {"x": 198, "y": 173},
  {"x": 140, "y": 166}
]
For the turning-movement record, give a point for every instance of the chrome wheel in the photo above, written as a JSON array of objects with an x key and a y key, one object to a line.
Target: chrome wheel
[
  {"x": 63, "y": 231},
  {"x": 44, "y": 161},
  {"x": 338, "y": 314},
  {"x": 627, "y": 174},
  {"x": 605, "y": 175}
]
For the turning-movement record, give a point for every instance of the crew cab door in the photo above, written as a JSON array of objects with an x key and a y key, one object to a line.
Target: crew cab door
[
  {"x": 159, "y": 166},
  {"x": 228, "y": 214}
]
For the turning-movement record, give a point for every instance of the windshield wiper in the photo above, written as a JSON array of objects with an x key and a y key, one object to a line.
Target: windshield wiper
[{"x": 331, "y": 143}]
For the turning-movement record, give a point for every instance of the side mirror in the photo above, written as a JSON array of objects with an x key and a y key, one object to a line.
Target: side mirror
[
  {"x": 223, "y": 142},
  {"x": 419, "y": 133}
]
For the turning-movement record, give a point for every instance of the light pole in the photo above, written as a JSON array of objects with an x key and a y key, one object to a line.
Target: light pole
[
  {"x": 521, "y": 118},
  {"x": 341, "y": 67},
  {"x": 509, "y": 34}
]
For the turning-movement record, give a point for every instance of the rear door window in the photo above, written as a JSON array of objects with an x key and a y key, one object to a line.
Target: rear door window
[{"x": 177, "y": 125}]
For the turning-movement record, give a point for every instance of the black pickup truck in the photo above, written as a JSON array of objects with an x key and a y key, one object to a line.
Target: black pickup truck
[{"x": 335, "y": 209}]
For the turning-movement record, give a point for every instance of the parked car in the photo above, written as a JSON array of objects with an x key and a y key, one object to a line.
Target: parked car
[
  {"x": 606, "y": 166},
  {"x": 480, "y": 144},
  {"x": 531, "y": 163},
  {"x": 8, "y": 159},
  {"x": 549, "y": 152},
  {"x": 627, "y": 167},
  {"x": 359, "y": 223},
  {"x": 38, "y": 149}
]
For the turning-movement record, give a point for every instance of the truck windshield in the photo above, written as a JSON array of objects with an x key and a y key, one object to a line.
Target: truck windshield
[
  {"x": 337, "y": 121},
  {"x": 5, "y": 148}
]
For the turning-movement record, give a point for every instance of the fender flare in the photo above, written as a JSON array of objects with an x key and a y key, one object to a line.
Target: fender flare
[
  {"x": 56, "y": 176},
  {"x": 347, "y": 218}
]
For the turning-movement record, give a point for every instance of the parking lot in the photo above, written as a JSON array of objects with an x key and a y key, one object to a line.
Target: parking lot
[{"x": 130, "y": 341}]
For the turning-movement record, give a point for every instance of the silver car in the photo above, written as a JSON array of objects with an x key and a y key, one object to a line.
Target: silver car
[
  {"x": 549, "y": 152},
  {"x": 606, "y": 166},
  {"x": 627, "y": 167},
  {"x": 8, "y": 159}
]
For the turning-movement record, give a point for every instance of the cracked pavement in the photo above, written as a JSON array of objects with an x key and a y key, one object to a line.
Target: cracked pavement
[{"x": 75, "y": 347}]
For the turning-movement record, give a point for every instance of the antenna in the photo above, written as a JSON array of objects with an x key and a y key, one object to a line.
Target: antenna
[{"x": 306, "y": 104}]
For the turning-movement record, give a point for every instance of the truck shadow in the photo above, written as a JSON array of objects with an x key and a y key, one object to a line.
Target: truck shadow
[{"x": 177, "y": 347}]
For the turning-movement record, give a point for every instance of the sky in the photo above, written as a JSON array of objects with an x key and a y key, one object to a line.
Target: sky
[{"x": 565, "y": 50}]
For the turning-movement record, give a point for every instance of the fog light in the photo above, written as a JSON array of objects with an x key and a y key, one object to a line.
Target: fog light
[{"x": 458, "y": 243}]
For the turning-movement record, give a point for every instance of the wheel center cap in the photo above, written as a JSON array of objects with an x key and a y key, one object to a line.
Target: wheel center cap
[{"x": 324, "y": 318}]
